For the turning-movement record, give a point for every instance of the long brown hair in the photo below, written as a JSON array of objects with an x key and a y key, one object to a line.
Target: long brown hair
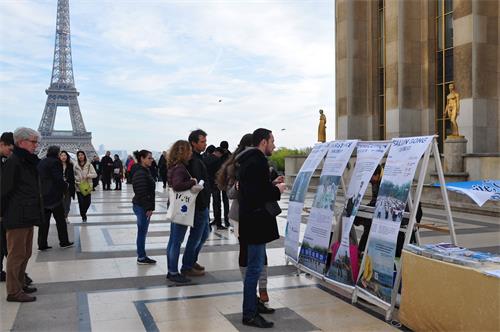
[
  {"x": 226, "y": 175},
  {"x": 179, "y": 153}
]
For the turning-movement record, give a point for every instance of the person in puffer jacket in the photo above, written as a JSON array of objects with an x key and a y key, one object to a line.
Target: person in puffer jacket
[{"x": 143, "y": 202}]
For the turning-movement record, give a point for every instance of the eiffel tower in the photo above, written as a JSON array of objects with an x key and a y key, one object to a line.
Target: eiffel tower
[{"x": 62, "y": 92}]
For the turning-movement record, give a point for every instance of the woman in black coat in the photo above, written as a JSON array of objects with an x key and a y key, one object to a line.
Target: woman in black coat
[
  {"x": 143, "y": 202},
  {"x": 118, "y": 172},
  {"x": 69, "y": 177}
]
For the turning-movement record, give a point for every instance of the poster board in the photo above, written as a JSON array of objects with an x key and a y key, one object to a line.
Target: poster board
[{"x": 314, "y": 249}]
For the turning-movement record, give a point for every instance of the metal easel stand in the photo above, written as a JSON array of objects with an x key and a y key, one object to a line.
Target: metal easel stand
[{"x": 414, "y": 208}]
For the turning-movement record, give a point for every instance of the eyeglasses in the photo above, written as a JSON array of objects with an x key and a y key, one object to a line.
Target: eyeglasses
[{"x": 33, "y": 141}]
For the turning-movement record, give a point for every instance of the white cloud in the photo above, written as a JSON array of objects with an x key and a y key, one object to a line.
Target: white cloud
[{"x": 156, "y": 69}]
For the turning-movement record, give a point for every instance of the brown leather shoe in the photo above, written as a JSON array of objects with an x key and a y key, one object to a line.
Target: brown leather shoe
[
  {"x": 21, "y": 297},
  {"x": 193, "y": 273},
  {"x": 198, "y": 267}
]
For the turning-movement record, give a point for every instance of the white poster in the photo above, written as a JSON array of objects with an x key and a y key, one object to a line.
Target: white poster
[
  {"x": 297, "y": 197},
  {"x": 314, "y": 249},
  {"x": 378, "y": 271},
  {"x": 344, "y": 265}
]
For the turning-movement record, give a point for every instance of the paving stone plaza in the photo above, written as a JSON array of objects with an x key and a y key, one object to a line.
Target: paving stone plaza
[{"x": 97, "y": 285}]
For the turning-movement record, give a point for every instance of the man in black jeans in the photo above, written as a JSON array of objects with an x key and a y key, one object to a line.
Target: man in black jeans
[{"x": 53, "y": 187}]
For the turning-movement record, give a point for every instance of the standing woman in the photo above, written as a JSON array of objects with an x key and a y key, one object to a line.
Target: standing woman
[
  {"x": 69, "y": 177},
  {"x": 84, "y": 172},
  {"x": 180, "y": 180},
  {"x": 143, "y": 202},
  {"x": 118, "y": 172}
]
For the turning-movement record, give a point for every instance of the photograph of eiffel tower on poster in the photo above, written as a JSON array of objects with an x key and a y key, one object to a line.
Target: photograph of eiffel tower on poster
[{"x": 62, "y": 93}]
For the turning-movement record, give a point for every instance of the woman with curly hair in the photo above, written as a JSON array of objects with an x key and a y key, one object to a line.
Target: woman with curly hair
[{"x": 179, "y": 179}]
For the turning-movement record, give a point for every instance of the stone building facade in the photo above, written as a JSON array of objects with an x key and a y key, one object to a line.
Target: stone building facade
[{"x": 395, "y": 60}]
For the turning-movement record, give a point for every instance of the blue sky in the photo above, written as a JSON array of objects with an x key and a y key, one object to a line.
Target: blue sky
[{"x": 149, "y": 71}]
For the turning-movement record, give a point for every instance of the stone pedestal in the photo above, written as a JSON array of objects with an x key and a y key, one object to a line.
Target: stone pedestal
[
  {"x": 453, "y": 163},
  {"x": 454, "y": 150}
]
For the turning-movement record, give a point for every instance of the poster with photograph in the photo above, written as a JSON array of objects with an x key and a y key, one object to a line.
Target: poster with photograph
[
  {"x": 298, "y": 196},
  {"x": 314, "y": 249},
  {"x": 378, "y": 271},
  {"x": 344, "y": 265}
]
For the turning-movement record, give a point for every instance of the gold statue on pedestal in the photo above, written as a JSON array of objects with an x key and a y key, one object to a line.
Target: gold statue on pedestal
[
  {"x": 452, "y": 110},
  {"x": 322, "y": 127}
]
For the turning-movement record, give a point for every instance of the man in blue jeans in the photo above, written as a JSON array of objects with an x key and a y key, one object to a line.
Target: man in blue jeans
[
  {"x": 198, "y": 234},
  {"x": 257, "y": 221}
]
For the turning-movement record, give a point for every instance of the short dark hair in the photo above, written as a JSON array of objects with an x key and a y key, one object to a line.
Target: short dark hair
[
  {"x": 7, "y": 138},
  {"x": 224, "y": 145},
  {"x": 143, "y": 154},
  {"x": 210, "y": 149},
  {"x": 53, "y": 151},
  {"x": 259, "y": 134},
  {"x": 194, "y": 137}
]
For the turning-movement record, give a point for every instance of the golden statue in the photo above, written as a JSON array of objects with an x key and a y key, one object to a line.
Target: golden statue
[
  {"x": 452, "y": 109},
  {"x": 322, "y": 127}
]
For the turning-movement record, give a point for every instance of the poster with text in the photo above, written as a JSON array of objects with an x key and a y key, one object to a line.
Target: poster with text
[
  {"x": 344, "y": 265},
  {"x": 378, "y": 271},
  {"x": 314, "y": 249},
  {"x": 298, "y": 196}
]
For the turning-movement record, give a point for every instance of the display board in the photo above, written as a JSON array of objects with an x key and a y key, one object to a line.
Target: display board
[
  {"x": 344, "y": 264},
  {"x": 314, "y": 249},
  {"x": 297, "y": 197},
  {"x": 378, "y": 268}
]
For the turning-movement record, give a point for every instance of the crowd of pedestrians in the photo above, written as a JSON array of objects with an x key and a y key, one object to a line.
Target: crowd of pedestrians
[{"x": 33, "y": 190}]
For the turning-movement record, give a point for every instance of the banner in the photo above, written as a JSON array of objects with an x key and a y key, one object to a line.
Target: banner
[
  {"x": 344, "y": 265},
  {"x": 314, "y": 249},
  {"x": 297, "y": 197},
  {"x": 378, "y": 271},
  {"x": 479, "y": 191}
]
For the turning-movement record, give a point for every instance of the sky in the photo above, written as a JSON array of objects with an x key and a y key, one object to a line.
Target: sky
[{"x": 150, "y": 71}]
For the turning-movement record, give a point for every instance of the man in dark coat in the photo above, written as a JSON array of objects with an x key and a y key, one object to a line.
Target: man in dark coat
[
  {"x": 21, "y": 210},
  {"x": 97, "y": 166},
  {"x": 53, "y": 188},
  {"x": 213, "y": 162},
  {"x": 224, "y": 145},
  {"x": 107, "y": 171},
  {"x": 6, "y": 147},
  {"x": 257, "y": 225},
  {"x": 198, "y": 234}
]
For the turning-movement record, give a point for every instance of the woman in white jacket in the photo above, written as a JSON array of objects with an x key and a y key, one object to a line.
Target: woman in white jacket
[{"x": 84, "y": 172}]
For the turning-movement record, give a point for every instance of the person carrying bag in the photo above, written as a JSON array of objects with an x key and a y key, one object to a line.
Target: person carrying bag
[{"x": 182, "y": 205}]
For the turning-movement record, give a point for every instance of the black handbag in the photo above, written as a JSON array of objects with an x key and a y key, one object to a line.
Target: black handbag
[{"x": 273, "y": 208}]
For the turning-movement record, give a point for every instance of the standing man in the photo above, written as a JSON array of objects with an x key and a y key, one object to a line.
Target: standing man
[
  {"x": 257, "y": 225},
  {"x": 53, "y": 187},
  {"x": 198, "y": 234},
  {"x": 97, "y": 166},
  {"x": 213, "y": 162},
  {"x": 224, "y": 145},
  {"x": 107, "y": 170},
  {"x": 6, "y": 147},
  {"x": 21, "y": 210}
]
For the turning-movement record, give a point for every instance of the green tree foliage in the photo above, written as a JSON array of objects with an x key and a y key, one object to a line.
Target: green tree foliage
[{"x": 278, "y": 157}]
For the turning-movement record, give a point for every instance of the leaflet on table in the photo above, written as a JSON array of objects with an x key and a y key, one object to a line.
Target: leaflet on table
[
  {"x": 314, "y": 249},
  {"x": 402, "y": 161},
  {"x": 344, "y": 265},
  {"x": 297, "y": 197}
]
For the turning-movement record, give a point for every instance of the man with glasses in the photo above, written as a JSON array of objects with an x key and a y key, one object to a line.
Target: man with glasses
[{"x": 21, "y": 210}]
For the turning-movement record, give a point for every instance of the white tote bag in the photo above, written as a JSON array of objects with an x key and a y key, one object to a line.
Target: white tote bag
[{"x": 182, "y": 205}]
